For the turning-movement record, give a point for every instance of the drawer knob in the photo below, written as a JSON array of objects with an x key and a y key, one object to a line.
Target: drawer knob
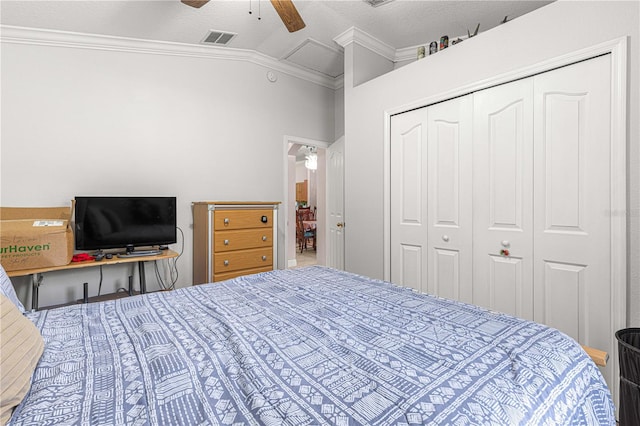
[
  {"x": 264, "y": 257},
  {"x": 226, "y": 242},
  {"x": 226, "y": 263},
  {"x": 226, "y": 220},
  {"x": 264, "y": 238}
]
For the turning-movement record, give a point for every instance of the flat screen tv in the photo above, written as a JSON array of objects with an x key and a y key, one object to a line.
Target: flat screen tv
[{"x": 124, "y": 222}]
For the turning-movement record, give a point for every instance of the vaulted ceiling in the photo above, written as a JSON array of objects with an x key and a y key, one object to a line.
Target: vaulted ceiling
[{"x": 401, "y": 24}]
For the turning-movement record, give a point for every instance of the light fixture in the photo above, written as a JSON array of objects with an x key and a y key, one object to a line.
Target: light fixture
[{"x": 311, "y": 159}]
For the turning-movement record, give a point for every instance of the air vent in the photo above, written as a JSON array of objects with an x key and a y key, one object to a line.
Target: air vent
[
  {"x": 376, "y": 3},
  {"x": 219, "y": 38}
]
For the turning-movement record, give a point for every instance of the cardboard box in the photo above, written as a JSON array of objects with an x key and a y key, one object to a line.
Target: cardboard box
[{"x": 35, "y": 237}]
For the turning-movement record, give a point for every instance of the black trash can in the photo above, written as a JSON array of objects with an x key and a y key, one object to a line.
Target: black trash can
[{"x": 629, "y": 355}]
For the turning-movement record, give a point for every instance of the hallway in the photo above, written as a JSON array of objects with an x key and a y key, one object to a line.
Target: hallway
[{"x": 306, "y": 258}]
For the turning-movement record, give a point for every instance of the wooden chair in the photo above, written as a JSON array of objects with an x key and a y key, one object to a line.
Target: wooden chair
[
  {"x": 304, "y": 235},
  {"x": 306, "y": 213}
]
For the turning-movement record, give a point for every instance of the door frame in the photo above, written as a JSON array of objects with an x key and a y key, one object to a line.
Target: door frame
[
  {"x": 617, "y": 48},
  {"x": 288, "y": 139}
]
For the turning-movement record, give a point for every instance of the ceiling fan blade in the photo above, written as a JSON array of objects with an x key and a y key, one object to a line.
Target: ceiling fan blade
[
  {"x": 289, "y": 15},
  {"x": 195, "y": 3}
]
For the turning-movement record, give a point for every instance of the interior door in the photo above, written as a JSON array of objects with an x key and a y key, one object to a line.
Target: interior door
[
  {"x": 335, "y": 205},
  {"x": 572, "y": 229},
  {"x": 449, "y": 232},
  {"x": 503, "y": 198},
  {"x": 409, "y": 265}
]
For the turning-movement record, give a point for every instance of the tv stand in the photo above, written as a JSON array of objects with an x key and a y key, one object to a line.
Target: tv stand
[
  {"x": 139, "y": 253},
  {"x": 37, "y": 273}
]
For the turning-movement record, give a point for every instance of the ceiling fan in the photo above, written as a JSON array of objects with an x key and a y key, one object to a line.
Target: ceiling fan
[{"x": 285, "y": 8}]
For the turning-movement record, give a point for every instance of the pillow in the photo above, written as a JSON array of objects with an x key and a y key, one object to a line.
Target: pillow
[
  {"x": 7, "y": 290},
  {"x": 22, "y": 346}
]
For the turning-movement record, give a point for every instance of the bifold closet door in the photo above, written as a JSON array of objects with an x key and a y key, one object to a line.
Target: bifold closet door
[
  {"x": 541, "y": 190},
  {"x": 449, "y": 159},
  {"x": 431, "y": 218},
  {"x": 503, "y": 198},
  {"x": 572, "y": 213},
  {"x": 409, "y": 199},
  {"x": 539, "y": 153}
]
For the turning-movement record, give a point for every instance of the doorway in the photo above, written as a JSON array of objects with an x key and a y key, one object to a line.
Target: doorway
[
  {"x": 305, "y": 188},
  {"x": 306, "y": 203}
]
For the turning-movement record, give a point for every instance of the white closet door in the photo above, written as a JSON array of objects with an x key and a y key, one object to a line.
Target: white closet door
[
  {"x": 409, "y": 199},
  {"x": 572, "y": 236},
  {"x": 503, "y": 197},
  {"x": 449, "y": 194}
]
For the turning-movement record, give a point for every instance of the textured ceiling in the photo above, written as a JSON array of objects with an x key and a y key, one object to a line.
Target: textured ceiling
[{"x": 399, "y": 23}]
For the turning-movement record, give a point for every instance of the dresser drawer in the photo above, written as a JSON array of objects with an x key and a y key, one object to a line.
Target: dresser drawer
[
  {"x": 242, "y": 239},
  {"x": 242, "y": 259},
  {"x": 229, "y": 275},
  {"x": 249, "y": 229},
  {"x": 242, "y": 219}
]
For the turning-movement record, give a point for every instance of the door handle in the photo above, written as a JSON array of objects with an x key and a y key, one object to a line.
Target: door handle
[{"x": 340, "y": 224}]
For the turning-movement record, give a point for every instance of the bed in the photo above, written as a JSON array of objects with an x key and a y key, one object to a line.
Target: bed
[{"x": 300, "y": 347}]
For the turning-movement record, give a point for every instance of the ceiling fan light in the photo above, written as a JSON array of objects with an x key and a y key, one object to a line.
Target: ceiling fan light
[{"x": 311, "y": 161}]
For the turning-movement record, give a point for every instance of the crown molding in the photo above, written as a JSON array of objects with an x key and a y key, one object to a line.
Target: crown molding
[
  {"x": 43, "y": 37},
  {"x": 408, "y": 53},
  {"x": 355, "y": 35}
]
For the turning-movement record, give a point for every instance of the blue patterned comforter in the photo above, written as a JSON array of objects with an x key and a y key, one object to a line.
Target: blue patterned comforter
[{"x": 301, "y": 347}]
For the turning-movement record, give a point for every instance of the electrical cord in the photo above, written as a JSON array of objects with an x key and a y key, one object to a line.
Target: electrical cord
[
  {"x": 100, "y": 284},
  {"x": 173, "y": 267}
]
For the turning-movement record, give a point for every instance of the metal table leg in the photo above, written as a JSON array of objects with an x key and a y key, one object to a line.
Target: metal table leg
[
  {"x": 36, "y": 280},
  {"x": 143, "y": 279}
]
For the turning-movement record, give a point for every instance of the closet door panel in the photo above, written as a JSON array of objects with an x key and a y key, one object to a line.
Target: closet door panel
[
  {"x": 450, "y": 127},
  {"x": 502, "y": 198},
  {"x": 446, "y": 274},
  {"x": 506, "y": 284},
  {"x": 572, "y": 238},
  {"x": 409, "y": 199},
  {"x": 565, "y": 283}
]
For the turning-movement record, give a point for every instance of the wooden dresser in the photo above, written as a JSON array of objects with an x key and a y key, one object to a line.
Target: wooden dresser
[{"x": 232, "y": 238}]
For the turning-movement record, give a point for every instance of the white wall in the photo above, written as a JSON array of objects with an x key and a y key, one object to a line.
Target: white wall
[
  {"x": 79, "y": 121},
  {"x": 338, "y": 104},
  {"x": 301, "y": 172},
  {"x": 548, "y": 32},
  {"x": 369, "y": 65}
]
